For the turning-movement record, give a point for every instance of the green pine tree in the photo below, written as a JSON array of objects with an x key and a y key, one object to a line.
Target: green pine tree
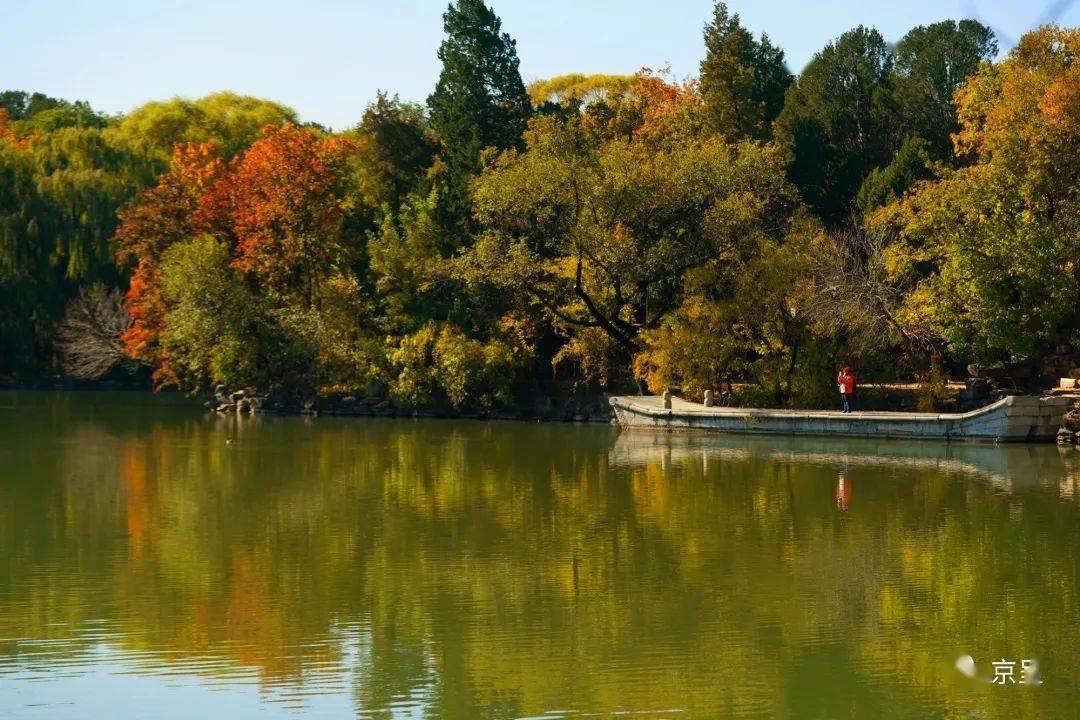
[
  {"x": 839, "y": 122},
  {"x": 742, "y": 79},
  {"x": 479, "y": 101}
]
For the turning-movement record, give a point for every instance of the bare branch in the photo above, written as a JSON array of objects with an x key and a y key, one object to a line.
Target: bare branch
[
  {"x": 89, "y": 334},
  {"x": 855, "y": 294}
]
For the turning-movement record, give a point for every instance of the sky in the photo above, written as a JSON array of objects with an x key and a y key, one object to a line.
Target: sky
[{"x": 327, "y": 58}]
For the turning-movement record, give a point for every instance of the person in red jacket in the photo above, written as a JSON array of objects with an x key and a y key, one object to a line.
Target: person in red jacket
[{"x": 845, "y": 382}]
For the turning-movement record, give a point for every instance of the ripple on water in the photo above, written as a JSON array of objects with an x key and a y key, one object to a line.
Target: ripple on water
[{"x": 459, "y": 570}]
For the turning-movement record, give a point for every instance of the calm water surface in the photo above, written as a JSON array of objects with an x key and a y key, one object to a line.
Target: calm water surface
[{"x": 435, "y": 569}]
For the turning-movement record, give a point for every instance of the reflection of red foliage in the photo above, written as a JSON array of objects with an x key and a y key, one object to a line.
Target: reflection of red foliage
[{"x": 140, "y": 508}]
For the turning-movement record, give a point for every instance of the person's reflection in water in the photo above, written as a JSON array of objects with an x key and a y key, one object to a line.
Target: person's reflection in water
[{"x": 843, "y": 491}]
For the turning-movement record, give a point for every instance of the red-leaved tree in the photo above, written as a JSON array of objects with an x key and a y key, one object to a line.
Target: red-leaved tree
[
  {"x": 180, "y": 206},
  {"x": 280, "y": 207},
  {"x": 287, "y": 208}
]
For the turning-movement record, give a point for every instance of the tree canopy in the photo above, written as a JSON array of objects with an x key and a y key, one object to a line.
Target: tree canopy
[
  {"x": 838, "y": 121},
  {"x": 909, "y": 207},
  {"x": 229, "y": 121},
  {"x": 992, "y": 244}
]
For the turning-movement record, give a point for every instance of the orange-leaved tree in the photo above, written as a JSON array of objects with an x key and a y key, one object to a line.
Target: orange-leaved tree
[
  {"x": 671, "y": 111},
  {"x": 287, "y": 209},
  {"x": 180, "y": 206}
]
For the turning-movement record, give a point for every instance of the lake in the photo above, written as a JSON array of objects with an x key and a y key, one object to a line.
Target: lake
[{"x": 158, "y": 561}]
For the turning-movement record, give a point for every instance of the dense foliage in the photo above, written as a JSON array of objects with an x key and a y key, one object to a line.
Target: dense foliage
[{"x": 907, "y": 207}]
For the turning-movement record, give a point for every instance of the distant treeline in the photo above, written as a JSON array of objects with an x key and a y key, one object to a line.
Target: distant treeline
[{"x": 907, "y": 208}]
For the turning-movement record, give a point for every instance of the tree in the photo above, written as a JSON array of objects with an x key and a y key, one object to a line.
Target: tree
[
  {"x": 229, "y": 121},
  {"x": 286, "y": 210},
  {"x": 857, "y": 297},
  {"x": 443, "y": 358},
  {"x": 401, "y": 145},
  {"x": 215, "y": 330},
  {"x": 911, "y": 163},
  {"x": 743, "y": 320},
  {"x": 90, "y": 334},
  {"x": 658, "y": 111},
  {"x": 742, "y": 80},
  {"x": 600, "y": 234},
  {"x": 838, "y": 121},
  {"x": 991, "y": 246},
  {"x": 60, "y": 185},
  {"x": 21, "y": 105},
  {"x": 37, "y": 111},
  {"x": 479, "y": 100},
  {"x": 931, "y": 63},
  {"x": 177, "y": 208},
  {"x": 411, "y": 277},
  {"x": 577, "y": 90}
]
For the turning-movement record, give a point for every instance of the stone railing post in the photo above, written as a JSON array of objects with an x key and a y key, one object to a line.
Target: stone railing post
[
  {"x": 667, "y": 399},
  {"x": 708, "y": 398}
]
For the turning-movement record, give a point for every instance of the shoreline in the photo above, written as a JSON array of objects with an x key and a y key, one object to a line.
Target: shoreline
[
  {"x": 587, "y": 409},
  {"x": 580, "y": 408}
]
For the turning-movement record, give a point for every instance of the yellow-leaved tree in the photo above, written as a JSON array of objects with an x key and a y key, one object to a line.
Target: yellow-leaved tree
[{"x": 993, "y": 249}]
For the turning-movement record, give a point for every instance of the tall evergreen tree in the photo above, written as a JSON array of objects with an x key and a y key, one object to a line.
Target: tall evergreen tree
[
  {"x": 742, "y": 80},
  {"x": 932, "y": 62},
  {"x": 839, "y": 121},
  {"x": 479, "y": 101}
]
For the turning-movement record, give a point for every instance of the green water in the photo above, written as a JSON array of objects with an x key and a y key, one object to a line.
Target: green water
[{"x": 437, "y": 569}]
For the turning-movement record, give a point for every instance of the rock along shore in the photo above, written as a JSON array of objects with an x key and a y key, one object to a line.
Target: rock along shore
[{"x": 595, "y": 408}]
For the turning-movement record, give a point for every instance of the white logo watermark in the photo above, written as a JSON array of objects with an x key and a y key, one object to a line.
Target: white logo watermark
[{"x": 1004, "y": 671}]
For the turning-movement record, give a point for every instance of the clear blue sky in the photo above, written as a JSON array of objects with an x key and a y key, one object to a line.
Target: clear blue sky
[{"x": 326, "y": 58}]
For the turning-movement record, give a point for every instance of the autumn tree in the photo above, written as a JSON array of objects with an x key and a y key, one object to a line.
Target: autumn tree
[
  {"x": 177, "y": 208},
  {"x": 601, "y": 234},
  {"x": 992, "y": 245},
  {"x": 657, "y": 111},
  {"x": 743, "y": 80},
  {"x": 262, "y": 289},
  {"x": 578, "y": 90},
  {"x": 286, "y": 209},
  {"x": 742, "y": 320}
]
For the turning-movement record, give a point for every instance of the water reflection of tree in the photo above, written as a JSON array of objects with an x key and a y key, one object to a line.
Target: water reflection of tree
[{"x": 498, "y": 570}]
